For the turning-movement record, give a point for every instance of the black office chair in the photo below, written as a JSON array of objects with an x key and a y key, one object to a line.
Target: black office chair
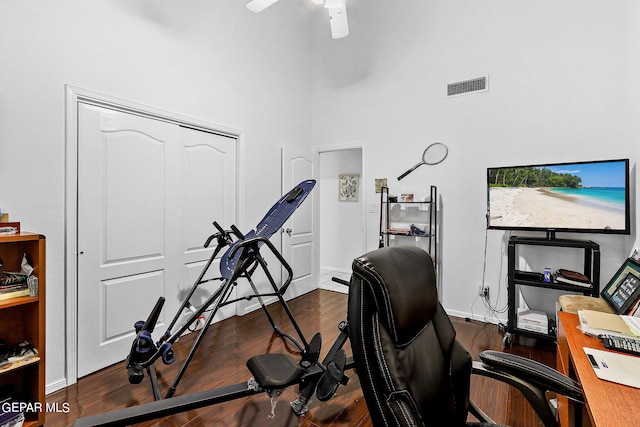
[{"x": 412, "y": 370}]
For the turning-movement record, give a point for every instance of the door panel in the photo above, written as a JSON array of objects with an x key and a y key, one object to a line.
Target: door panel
[
  {"x": 130, "y": 188},
  {"x": 301, "y": 257},
  {"x": 209, "y": 189},
  {"x": 192, "y": 271},
  {"x": 148, "y": 193},
  {"x": 122, "y": 295},
  {"x": 201, "y": 201}
]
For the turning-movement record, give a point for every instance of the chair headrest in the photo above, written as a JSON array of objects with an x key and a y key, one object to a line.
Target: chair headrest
[{"x": 402, "y": 279}]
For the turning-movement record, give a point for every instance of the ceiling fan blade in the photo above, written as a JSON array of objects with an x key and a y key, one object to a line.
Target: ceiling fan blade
[
  {"x": 338, "y": 21},
  {"x": 332, "y": 3},
  {"x": 258, "y": 6}
]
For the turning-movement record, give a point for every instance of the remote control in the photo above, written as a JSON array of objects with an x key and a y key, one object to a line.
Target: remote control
[{"x": 623, "y": 344}]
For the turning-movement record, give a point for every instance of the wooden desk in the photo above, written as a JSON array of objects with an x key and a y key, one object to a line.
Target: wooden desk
[{"x": 607, "y": 404}]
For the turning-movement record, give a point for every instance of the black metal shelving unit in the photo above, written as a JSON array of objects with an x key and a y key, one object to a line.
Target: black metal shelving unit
[
  {"x": 389, "y": 217},
  {"x": 591, "y": 270}
]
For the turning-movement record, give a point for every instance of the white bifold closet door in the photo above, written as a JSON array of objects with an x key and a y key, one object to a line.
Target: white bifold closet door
[{"x": 148, "y": 192}]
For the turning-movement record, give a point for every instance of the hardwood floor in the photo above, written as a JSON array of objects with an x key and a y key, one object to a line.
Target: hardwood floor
[{"x": 221, "y": 359}]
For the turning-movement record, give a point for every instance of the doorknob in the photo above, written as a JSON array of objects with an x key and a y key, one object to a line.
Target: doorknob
[{"x": 287, "y": 230}]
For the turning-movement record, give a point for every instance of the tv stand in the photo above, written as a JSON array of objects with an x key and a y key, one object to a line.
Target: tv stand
[{"x": 591, "y": 269}]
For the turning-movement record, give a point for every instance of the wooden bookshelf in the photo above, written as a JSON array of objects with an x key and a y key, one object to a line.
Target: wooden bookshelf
[{"x": 23, "y": 319}]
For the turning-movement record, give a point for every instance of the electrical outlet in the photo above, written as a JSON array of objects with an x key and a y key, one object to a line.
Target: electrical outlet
[
  {"x": 198, "y": 323},
  {"x": 483, "y": 291}
]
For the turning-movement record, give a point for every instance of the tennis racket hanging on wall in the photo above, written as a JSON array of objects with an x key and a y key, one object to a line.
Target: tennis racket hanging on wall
[{"x": 432, "y": 155}]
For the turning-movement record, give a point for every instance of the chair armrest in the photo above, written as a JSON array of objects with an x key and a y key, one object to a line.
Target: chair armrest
[
  {"x": 535, "y": 395},
  {"x": 534, "y": 372},
  {"x": 532, "y": 378}
]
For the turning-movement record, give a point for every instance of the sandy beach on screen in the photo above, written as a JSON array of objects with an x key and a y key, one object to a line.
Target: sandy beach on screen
[{"x": 539, "y": 207}]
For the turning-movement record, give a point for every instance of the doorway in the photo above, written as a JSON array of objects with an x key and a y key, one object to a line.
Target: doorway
[{"x": 342, "y": 219}]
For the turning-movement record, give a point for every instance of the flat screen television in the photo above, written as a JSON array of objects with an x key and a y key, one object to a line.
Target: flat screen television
[{"x": 581, "y": 197}]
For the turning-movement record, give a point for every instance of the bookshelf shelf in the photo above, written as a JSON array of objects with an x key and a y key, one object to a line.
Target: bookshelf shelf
[
  {"x": 18, "y": 365},
  {"x": 18, "y": 301},
  {"x": 23, "y": 319}
]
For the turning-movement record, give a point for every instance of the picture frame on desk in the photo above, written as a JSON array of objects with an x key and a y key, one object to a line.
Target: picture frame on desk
[{"x": 623, "y": 290}]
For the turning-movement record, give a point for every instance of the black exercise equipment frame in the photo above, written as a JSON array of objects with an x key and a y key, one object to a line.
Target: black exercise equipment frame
[
  {"x": 313, "y": 373},
  {"x": 250, "y": 259}
]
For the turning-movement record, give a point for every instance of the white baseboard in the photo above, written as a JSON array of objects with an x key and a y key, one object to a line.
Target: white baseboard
[
  {"x": 55, "y": 386},
  {"x": 256, "y": 306},
  {"x": 336, "y": 287},
  {"x": 475, "y": 316},
  {"x": 336, "y": 269}
]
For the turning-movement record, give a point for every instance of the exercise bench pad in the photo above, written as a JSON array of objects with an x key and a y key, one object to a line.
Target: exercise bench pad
[{"x": 274, "y": 370}]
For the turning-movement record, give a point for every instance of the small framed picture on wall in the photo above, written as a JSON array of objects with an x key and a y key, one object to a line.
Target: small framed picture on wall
[
  {"x": 380, "y": 182},
  {"x": 348, "y": 187}
]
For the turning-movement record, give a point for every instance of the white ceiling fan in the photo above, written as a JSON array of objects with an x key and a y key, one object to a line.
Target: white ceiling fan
[{"x": 337, "y": 14}]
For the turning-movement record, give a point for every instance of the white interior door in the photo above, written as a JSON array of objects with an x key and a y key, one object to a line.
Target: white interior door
[
  {"x": 298, "y": 246},
  {"x": 148, "y": 191}
]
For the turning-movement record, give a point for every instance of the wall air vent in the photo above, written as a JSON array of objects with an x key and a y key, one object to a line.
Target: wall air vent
[{"x": 468, "y": 86}]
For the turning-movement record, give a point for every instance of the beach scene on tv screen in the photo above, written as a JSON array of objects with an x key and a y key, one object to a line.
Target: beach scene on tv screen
[{"x": 575, "y": 196}]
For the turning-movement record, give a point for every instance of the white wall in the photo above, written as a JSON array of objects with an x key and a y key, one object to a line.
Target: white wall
[
  {"x": 632, "y": 98},
  {"x": 211, "y": 60},
  {"x": 561, "y": 86},
  {"x": 341, "y": 224}
]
